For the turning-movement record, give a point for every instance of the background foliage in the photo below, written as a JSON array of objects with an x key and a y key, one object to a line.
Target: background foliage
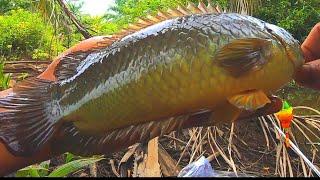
[
  {"x": 8, "y": 5},
  {"x": 23, "y": 34},
  {"x": 296, "y": 16}
]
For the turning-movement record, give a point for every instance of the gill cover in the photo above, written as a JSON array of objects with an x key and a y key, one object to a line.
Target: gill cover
[{"x": 290, "y": 44}]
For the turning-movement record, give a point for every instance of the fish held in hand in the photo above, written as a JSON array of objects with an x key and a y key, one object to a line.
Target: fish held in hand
[{"x": 177, "y": 63}]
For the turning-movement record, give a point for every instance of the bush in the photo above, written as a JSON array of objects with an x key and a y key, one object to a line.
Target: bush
[
  {"x": 99, "y": 25},
  {"x": 8, "y": 5},
  {"x": 23, "y": 34},
  {"x": 296, "y": 16}
]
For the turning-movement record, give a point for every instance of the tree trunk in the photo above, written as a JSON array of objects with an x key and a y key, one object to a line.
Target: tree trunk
[{"x": 74, "y": 20}]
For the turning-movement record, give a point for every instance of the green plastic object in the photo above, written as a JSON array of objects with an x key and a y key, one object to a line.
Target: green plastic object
[{"x": 286, "y": 105}]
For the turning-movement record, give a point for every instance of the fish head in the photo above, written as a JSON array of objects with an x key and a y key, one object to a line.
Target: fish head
[{"x": 291, "y": 46}]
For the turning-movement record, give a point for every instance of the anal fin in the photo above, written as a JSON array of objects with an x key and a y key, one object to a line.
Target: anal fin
[{"x": 71, "y": 139}]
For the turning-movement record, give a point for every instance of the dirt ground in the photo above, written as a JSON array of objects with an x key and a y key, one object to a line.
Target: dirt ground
[{"x": 251, "y": 153}]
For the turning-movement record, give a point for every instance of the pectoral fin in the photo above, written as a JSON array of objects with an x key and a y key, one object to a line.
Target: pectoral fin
[
  {"x": 250, "y": 100},
  {"x": 243, "y": 55}
]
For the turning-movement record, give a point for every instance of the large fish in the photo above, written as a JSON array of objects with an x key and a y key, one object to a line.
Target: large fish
[{"x": 182, "y": 62}]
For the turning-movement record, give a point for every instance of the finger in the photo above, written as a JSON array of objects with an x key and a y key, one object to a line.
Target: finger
[
  {"x": 309, "y": 75},
  {"x": 311, "y": 46}
]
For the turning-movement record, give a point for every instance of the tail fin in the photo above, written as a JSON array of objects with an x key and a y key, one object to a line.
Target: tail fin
[{"x": 28, "y": 116}]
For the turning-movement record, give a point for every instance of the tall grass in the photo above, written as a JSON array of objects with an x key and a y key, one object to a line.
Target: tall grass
[{"x": 4, "y": 78}]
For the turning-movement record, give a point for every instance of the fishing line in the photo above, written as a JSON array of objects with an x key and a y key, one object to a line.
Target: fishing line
[{"x": 295, "y": 148}]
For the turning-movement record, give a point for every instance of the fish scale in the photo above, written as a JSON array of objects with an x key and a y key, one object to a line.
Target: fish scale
[
  {"x": 224, "y": 63},
  {"x": 169, "y": 82}
]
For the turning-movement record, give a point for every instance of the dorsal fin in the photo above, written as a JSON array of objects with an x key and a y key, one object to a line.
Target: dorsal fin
[
  {"x": 68, "y": 64},
  {"x": 194, "y": 9},
  {"x": 85, "y": 46},
  {"x": 171, "y": 13},
  {"x": 202, "y": 7}
]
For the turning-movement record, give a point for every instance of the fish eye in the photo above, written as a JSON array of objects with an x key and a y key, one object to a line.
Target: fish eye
[{"x": 268, "y": 29}]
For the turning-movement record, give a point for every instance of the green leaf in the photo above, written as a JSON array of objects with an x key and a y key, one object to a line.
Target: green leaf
[
  {"x": 31, "y": 171},
  {"x": 44, "y": 172},
  {"x": 73, "y": 166},
  {"x": 69, "y": 157}
]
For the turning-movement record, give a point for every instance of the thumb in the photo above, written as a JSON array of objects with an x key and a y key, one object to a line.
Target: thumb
[{"x": 309, "y": 75}]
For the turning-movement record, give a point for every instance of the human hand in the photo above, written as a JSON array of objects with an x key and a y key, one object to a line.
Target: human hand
[{"x": 309, "y": 74}]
